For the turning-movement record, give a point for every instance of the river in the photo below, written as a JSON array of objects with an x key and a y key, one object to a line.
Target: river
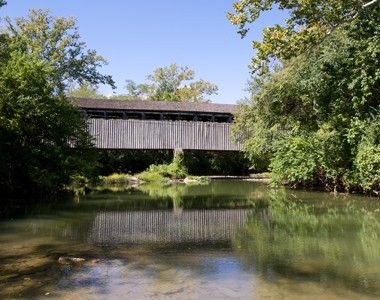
[{"x": 224, "y": 240}]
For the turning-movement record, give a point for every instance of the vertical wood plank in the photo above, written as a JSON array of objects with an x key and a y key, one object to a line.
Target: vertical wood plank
[{"x": 154, "y": 134}]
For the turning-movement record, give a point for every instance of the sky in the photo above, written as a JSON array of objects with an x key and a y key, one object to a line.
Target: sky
[{"x": 138, "y": 36}]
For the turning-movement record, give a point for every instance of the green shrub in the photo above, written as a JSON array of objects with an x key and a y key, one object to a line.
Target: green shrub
[
  {"x": 151, "y": 176},
  {"x": 322, "y": 159},
  {"x": 165, "y": 172},
  {"x": 295, "y": 161},
  {"x": 367, "y": 168}
]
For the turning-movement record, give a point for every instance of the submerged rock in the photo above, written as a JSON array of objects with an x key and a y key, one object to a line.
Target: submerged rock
[
  {"x": 134, "y": 180},
  {"x": 67, "y": 260}
]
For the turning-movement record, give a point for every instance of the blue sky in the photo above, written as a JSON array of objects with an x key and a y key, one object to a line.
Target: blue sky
[{"x": 138, "y": 36}]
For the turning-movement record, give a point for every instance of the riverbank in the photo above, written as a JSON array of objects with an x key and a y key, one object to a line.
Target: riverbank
[{"x": 119, "y": 181}]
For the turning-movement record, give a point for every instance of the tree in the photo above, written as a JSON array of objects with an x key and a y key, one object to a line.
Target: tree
[
  {"x": 56, "y": 41},
  {"x": 43, "y": 137},
  {"x": 85, "y": 90},
  {"x": 135, "y": 90},
  {"x": 172, "y": 83},
  {"x": 314, "y": 116}
]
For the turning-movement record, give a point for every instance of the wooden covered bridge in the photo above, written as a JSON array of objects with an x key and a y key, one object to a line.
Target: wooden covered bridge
[{"x": 139, "y": 124}]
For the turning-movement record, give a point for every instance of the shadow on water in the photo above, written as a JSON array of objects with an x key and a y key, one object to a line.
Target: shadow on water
[{"x": 175, "y": 235}]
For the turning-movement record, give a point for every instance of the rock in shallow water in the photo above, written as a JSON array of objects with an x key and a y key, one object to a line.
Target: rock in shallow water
[{"x": 66, "y": 260}]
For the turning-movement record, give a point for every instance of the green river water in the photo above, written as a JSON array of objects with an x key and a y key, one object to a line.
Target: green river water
[{"x": 224, "y": 240}]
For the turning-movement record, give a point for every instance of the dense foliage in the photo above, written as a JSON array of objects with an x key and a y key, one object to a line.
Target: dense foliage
[
  {"x": 315, "y": 116},
  {"x": 196, "y": 162},
  {"x": 130, "y": 161},
  {"x": 217, "y": 163},
  {"x": 43, "y": 138}
]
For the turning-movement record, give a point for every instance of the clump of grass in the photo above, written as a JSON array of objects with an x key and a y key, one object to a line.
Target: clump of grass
[
  {"x": 152, "y": 176},
  {"x": 115, "y": 179}
]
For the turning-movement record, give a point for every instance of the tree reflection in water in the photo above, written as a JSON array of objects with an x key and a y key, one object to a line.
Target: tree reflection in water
[
  {"x": 293, "y": 238},
  {"x": 216, "y": 195}
]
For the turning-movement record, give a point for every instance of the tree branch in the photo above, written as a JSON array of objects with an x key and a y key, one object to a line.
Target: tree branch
[{"x": 369, "y": 3}]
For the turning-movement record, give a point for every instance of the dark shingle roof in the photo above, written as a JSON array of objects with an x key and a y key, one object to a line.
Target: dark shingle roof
[{"x": 145, "y": 105}]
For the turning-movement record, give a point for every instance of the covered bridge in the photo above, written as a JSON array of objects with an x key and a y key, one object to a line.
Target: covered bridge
[{"x": 141, "y": 124}]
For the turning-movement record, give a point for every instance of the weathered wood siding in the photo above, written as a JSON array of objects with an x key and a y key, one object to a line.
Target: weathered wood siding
[
  {"x": 199, "y": 225},
  {"x": 152, "y": 134}
]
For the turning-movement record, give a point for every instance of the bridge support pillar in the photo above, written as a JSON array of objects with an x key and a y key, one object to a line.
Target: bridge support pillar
[
  {"x": 178, "y": 155},
  {"x": 178, "y": 152}
]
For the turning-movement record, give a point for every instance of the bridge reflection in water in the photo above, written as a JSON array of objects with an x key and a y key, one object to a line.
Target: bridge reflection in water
[{"x": 165, "y": 226}]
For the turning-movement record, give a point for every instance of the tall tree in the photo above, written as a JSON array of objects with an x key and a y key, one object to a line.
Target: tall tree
[
  {"x": 172, "y": 83},
  {"x": 85, "y": 90},
  {"x": 43, "y": 138}
]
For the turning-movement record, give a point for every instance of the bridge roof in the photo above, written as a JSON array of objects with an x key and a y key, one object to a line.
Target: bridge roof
[{"x": 145, "y": 105}]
